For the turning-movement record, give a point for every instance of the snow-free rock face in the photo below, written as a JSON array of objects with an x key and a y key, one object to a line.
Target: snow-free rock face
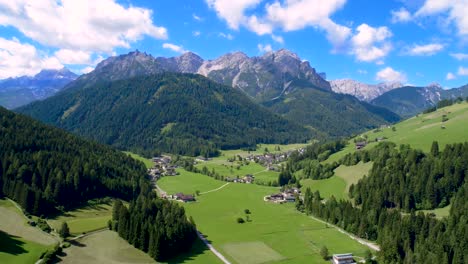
[
  {"x": 264, "y": 77},
  {"x": 15, "y": 92},
  {"x": 362, "y": 91}
]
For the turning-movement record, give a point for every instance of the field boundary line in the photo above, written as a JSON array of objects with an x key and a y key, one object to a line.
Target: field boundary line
[
  {"x": 216, "y": 252},
  {"x": 217, "y": 189},
  {"x": 360, "y": 240}
]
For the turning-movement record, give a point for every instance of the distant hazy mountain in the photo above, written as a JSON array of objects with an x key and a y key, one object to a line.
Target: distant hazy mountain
[
  {"x": 362, "y": 91},
  {"x": 408, "y": 101},
  {"x": 15, "y": 92}
]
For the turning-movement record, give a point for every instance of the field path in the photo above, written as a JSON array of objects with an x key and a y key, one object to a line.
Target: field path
[
  {"x": 200, "y": 235},
  {"x": 362, "y": 241},
  {"x": 216, "y": 252},
  {"x": 217, "y": 189}
]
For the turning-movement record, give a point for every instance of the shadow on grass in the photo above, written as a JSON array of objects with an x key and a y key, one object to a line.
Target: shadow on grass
[
  {"x": 77, "y": 243},
  {"x": 11, "y": 244},
  {"x": 198, "y": 248}
]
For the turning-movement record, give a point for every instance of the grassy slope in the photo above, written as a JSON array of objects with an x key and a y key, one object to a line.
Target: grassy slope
[
  {"x": 294, "y": 237},
  {"x": 421, "y": 130},
  {"x": 439, "y": 212},
  {"x": 188, "y": 183},
  {"x": 19, "y": 242},
  {"x": 84, "y": 219},
  {"x": 148, "y": 163}
]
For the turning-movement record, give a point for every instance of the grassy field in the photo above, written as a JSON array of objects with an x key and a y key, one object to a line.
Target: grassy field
[
  {"x": 276, "y": 233},
  {"x": 148, "y": 163},
  {"x": 20, "y": 242},
  {"x": 421, "y": 131},
  {"x": 352, "y": 174},
  {"x": 334, "y": 185},
  {"x": 84, "y": 219},
  {"x": 439, "y": 212},
  {"x": 272, "y": 148},
  {"x": 188, "y": 183}
]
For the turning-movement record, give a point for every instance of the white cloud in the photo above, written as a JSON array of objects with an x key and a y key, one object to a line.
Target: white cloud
[
  {"x": 98, "y": 25},
  {"x": 67, "y": 56},
  {"x": 450, "y": 76},
  {"x": 454, "y": 11},
  {"x": 460, "y": 56},
  {"x": 370, "y": 44},
  {"x": 18, "y": 59},
  {"x": 264, "y": 48},
  {"x": 197, "y": 17},
  {"x": 87, "y": 70},
  {"x": 390, "y": 75},
  {"x": 401, "y": 16},
  {"x": 196, "y": 33},
  {"x": 287, "y": 15},
  {"x": 462, "y": 71},
  {"x": 277, "y": 39},
  {"x": 362, "y": 71},
  {"x": 425, "y": 50},
  {"x": 232, "y": 10},
  {"x": 173, "y": 47},
  {"x": 226, "y": 36}
]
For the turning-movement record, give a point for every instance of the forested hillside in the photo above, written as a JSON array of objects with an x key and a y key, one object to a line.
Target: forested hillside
[
  {"x": 43, "y": 167},
  {"x": 176, "y": 113},
  {"x": 335, "y": 115}
]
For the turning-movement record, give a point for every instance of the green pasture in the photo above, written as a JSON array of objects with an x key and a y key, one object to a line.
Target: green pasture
[
  {"x": 420, "y": 131},
  {"x": 275, "y": 233},
  {"x": 148, "y": 163}
]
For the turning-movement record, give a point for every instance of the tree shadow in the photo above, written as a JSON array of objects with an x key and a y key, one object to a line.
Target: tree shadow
[
  {"x": 11, "y": 244},
  {"x": 77, "y": 243},
  {"x": 198, "y": 248}
]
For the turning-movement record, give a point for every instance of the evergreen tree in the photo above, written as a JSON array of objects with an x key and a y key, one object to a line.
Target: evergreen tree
[{"x": 64, "y": 231}]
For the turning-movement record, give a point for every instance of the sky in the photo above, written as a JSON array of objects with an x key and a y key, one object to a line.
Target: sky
[{"x": 415, "y": 42}]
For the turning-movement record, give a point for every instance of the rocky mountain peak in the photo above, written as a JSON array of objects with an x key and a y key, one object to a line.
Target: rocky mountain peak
[
  {"x": 51, "y": 74},
  {"x": 362, "y": 91},
  {"x": 188, "y": 62}
]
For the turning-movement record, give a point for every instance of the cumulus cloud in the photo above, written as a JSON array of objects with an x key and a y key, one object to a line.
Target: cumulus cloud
[
  {"x": 460, "y": 56},
  {"x": 401, "y": 16},
  {"x": 390, "y": 75},
  {"x": 196, "y": 33},
  {"x": 425, "y": 50},
  {"x": 371, "y": 44},
  {"x": 173, "y": 47},
  {"x": 18, "y": 59},
  {"x": 264, "y": 48},
  {"x": 453, "y": 11},
  {"x": 87, "y": 69},
  {"x": 97, "y": 26},
  {"x": 462, "y": 71},
  {"x": 450, "y": 76},
  {"x": 67, "y": 56},
  {"x": 288, "y": 15}
]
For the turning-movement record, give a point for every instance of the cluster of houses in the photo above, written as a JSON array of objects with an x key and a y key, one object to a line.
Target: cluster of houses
[
  {"x": 162, "y": 167},
  {"x": 249, "y": 178},
  {"x": 270, "y": 159},
  {"x": 287, "y": 195},
  {"x": 182, "y": 197}
]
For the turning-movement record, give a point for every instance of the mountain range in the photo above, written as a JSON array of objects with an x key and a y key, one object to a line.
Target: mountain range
[
  {"x": 362, "y": 91},
  {"x": 15, "y": 92},
  {"x": 277, "y": 88}
]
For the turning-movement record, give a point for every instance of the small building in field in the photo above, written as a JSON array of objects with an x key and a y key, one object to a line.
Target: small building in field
[
  {"x": 184, "y": 197},
  {"x": 361, "y": 145},
  {"x": 343, "y": 259}
]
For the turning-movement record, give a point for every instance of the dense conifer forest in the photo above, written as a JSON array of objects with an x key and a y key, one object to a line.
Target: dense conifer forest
[
  {"x": 384, "y": 203},
  {"x": 176, "y": 113},
  {"x": 158, "y": 227},
  {"x": 43, "y": 167}
]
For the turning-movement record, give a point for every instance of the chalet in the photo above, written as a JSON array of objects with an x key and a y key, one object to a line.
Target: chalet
[
  {"x": 184, "y": 197},
  {"x": 249, "y": 178},
  {"x": 289, "y": 198},
  {"x": 361, "y": 145},
  {"x": 343, "y": 259}
]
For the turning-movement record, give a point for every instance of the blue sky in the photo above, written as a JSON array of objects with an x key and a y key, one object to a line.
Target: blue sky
[{"x": 415, "y": 42}]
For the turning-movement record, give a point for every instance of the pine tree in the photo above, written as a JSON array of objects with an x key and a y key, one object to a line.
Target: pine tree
[{"x": 64, "y": 231}]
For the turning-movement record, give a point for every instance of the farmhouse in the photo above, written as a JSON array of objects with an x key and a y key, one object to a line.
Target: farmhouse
[
  {"x": 343, "y": 259},
  {"x": 361, "y": 145},
  {"x": 184, "y": 197}
]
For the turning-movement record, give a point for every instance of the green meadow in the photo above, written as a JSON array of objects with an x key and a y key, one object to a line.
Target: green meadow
[
  {"x": 420, "y": 131},
  {"x": 148, "y": 163},
  {"x": 20, "y": 242},
  {"x": 274, "y": 233},
  {"x": 84, "y": 219}
]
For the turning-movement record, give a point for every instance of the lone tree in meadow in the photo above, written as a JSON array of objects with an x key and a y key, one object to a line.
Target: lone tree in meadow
[
  {"x": 324, "y": 252},
  {"x": 64, "y": 231}
]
